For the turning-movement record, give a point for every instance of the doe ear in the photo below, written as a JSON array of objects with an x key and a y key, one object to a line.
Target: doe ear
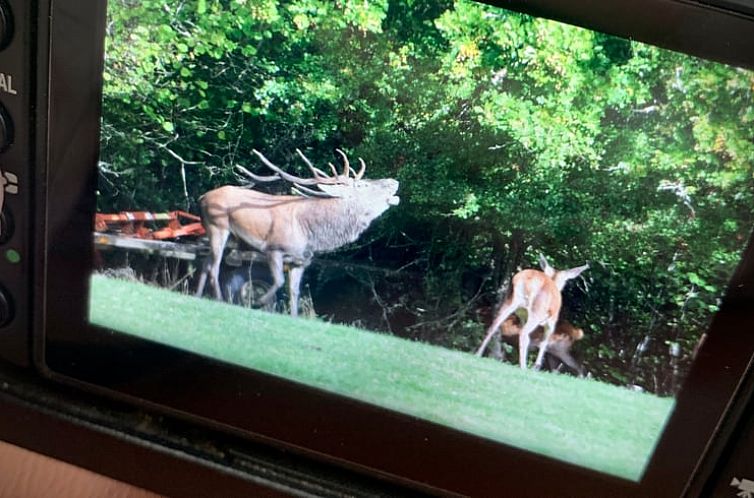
[
  {"x": 575, "y": 272},
  {"x": 549, "y": 270}
]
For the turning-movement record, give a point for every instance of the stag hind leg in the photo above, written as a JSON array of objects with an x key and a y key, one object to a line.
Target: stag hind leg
[
  {"x": 275, "y": 262},
  {"x": 206, "y": 264}
]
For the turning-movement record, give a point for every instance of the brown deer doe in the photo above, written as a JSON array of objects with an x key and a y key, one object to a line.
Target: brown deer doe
[
  {"x": 292, "y": 228},
  {"x": 537, "y": 292}
]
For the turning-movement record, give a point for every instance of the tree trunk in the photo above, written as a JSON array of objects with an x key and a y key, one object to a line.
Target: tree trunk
[{"x": 506, "y": 269}]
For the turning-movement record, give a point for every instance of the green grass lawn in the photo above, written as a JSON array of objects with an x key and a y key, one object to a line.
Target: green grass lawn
[{"x": 584, "y": 422}]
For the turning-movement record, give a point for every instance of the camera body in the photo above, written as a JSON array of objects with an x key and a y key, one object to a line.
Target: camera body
[
  {"x": 124, "y": 407},
  {"x": 18, "y": 151}
]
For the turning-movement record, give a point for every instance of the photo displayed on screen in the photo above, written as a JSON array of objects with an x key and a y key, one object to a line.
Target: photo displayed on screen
[{"x": 506, "y": 225}]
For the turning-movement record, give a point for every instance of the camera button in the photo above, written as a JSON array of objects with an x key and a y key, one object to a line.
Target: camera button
[
  {"x": 6, "y": 129},
  {"x": 6, "y": 25},
  {"x": 7, "y": 226},
  {"x": 6, "y": 309}
]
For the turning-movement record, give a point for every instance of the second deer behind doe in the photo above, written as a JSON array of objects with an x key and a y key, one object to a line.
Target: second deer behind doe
[
  {"x": 538, "y": 292},
  {"x": 559, "y": 347}
]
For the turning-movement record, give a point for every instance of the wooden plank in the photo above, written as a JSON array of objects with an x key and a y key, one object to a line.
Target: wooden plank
[{"x": 179, "y": 250}]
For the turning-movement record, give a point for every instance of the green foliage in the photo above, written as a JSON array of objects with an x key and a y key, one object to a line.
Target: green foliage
[{"x": 510, "y": 135}]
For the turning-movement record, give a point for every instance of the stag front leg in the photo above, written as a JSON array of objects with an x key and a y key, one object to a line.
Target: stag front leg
[
  {"x": 294, "y": 286},
  {"x": 549, "y": 327},
  {"x": 217, "y": 239},
  {"x": 275, "y": 261}
]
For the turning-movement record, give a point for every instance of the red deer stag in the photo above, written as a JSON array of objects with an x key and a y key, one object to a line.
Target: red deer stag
[
  {"x": 537, "y": 292},
  {"x": 561, "y": 340},
  {"x": 292, "y": 228}
]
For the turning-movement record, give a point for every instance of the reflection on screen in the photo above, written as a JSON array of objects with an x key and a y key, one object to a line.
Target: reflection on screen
[{"x": 499, "y": 223}]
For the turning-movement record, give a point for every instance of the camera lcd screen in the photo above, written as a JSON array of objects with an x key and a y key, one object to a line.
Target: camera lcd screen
[{"x": 346, "y": 195}]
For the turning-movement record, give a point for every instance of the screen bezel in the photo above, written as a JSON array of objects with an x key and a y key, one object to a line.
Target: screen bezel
[{"x": 328, "y": 426}]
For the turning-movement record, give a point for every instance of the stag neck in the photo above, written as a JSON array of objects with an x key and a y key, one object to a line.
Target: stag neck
[{"x": 333, "y": 223}]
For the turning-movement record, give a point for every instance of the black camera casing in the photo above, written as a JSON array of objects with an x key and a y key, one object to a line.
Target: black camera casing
[{"x": 120, "y": 408}]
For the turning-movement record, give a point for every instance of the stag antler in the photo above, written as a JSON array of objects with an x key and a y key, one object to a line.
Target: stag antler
[
  {"x": 257, "y": 178},
  {"x": 320, "y": 177},
  {"x": 294, "y": 179},
  {"x": 362, "y": 170},
  {"x": 347, "y": 169},
  {"x": 307, "y": 192},
  {"x": 318, "y": 173}
]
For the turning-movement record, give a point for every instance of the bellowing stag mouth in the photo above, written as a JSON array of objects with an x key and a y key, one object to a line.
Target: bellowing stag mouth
[{"x": 393, "y": 200}]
